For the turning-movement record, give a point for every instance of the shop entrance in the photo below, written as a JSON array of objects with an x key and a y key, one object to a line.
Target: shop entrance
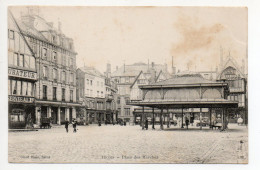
[
  {"x": 54, "y": 115},
  {"x": 43, "y": 111},
  {"x": 62, "y": 115},
  {"x": 70, "y": 115}
]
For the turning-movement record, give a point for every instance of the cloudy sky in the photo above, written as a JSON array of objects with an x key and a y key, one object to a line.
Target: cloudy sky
[{"x": 192, "y": 35}]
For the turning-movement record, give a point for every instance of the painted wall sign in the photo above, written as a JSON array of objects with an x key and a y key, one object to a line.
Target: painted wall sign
[
  {"x": 20, "y": 99},
  {"x": 22, "y": 73}
]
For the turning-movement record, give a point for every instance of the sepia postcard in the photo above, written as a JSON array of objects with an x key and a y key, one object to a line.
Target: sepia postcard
[{"x": 127, "y": 85}]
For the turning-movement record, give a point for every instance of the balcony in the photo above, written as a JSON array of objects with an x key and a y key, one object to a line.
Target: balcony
[{"x": 109, "y": 96}]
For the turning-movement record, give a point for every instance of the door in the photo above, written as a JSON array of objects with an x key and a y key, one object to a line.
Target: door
[{"x": 70, "y": 115}]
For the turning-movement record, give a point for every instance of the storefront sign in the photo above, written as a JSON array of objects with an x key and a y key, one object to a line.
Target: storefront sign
[
  {"x": 20, "y": 99},
  {"x": 22, "y": 73}
]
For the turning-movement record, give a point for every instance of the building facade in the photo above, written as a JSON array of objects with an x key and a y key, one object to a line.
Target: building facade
[
  {"x": 22, "y": 76},
  {"x": 98, "y": 93},
  {"x": 55, "y": 90},
  {"x": 127, "y": 78}
]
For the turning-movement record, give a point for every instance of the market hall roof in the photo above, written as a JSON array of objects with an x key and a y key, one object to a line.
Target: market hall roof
[{"x": 185, "y": 79}]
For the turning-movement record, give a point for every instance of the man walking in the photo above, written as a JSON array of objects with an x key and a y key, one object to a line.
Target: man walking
[
  {"x": 74, "y": 124},
  {"x": 187, "y": 122},
  {"x": 67, "y": 125}
]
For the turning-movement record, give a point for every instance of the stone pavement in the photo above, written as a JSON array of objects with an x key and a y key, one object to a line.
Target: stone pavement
[{"x": 129, "y": 144}]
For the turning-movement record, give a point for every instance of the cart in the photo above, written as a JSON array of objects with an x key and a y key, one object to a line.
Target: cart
[{"x": 45, "y": 123}]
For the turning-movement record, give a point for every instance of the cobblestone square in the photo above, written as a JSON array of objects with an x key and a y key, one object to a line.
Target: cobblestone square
[{"x": 129, "y": 144}]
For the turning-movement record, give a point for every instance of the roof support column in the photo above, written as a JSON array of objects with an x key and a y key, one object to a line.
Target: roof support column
[
  {"x": 168, "y": 118},
  {"x": 182, "y": 117},
  {"x": 200, "y": 118},
  {"x": 153, "y": 119},
  {"x": 161, "y": 121},
  {"x": 143, "y": 119},
  {"x": 210, "y": 117}
]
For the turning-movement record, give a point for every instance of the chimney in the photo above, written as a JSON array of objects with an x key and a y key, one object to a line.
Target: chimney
[
  {"x": 152, "y": 64},
  {"x": 108, "y": 72}
]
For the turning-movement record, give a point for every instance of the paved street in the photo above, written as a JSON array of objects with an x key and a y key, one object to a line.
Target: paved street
[{"x": 129, "y": 144}]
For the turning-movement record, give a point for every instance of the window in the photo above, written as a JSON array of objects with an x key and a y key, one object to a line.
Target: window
[
  {"x": 118, "y": 100},
  {"x": 15, "y": 59},
  {"x": 25, "y": 89},
  {"x": 45, "y": 72},
  {"x": 11, "y": 34},
  {"x": 14, "y": 87},
  {"x": 71, "y": 62},
  {"x": 19, "y": 88},
  {"x": 44, "y": 53},
  {"x": 127, "y": 100},
  {"x": 91, "y": 93},
  {"x": 91, "y": 82},
  {"x": 97, "y": 93},
  {"x": 87, "y": 81},
  {"x": 71, "y": 78},
  {"x": 30, "y": 89},
  {"x": 63, "y": 94},
  {"x": 127, "y": 111},
  {"x": 63, "y": 77},
  {"x": 97, "y": 83},
  {"x": 21, "y": 60},
  {"x": 71, "y": 95},
  {"x": 87, "y": 92},
  {"x": 54, "y": 56},
  {"x": 54, "y": 92},
  {"x": 44, "y": 92},
  {"x": 101, "y": 93},
  {"x": 55, "y": 75}
]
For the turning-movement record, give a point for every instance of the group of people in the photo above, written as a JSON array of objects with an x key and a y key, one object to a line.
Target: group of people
[{"x": 74, "y": 125}]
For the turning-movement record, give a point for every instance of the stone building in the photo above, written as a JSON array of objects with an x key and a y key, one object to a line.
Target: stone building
[
  {"x": 128, "y": 77},
  {"x": 97, "y": 92},
  {"x": 55, "y": 90},
  {"x": 22, "y": 76}
]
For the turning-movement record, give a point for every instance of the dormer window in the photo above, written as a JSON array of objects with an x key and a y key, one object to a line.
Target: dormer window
[
  {"x": 11, "y": 34},
  {"x": 54, "y": 56}
]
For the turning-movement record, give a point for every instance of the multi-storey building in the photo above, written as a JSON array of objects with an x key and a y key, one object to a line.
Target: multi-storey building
[
  {"x": 56, "y": 66},
  {"x": 91, "y": 90},
  {"x": 21, "y": 77},
  {"x": 236, "y": 77},
  {"x": 128, "y": 77}
]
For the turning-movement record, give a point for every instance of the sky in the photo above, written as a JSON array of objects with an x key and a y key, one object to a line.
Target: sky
[{"x": 118, "y": 35}]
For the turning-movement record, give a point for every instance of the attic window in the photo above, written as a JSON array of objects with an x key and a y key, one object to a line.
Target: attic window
[{"x": 11, "y": 34}]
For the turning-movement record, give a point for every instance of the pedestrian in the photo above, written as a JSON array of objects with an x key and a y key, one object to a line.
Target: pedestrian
[
  {"x": 146, "y": 124},
  {"x": 74, "y": 124},
  {"x": 99, "y": 122},
  {"x": 187, "y": 122},
  {"x": 67, "y": 125}
]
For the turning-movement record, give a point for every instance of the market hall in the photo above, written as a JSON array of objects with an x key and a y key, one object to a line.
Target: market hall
[{"x": 186, "y": 92}]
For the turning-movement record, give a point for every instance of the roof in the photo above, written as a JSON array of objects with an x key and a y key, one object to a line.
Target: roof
[
  {"x": 92, "y": 71},
  {"x": 185, "y": 78},
  {"x": 134, "y": 69}
]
